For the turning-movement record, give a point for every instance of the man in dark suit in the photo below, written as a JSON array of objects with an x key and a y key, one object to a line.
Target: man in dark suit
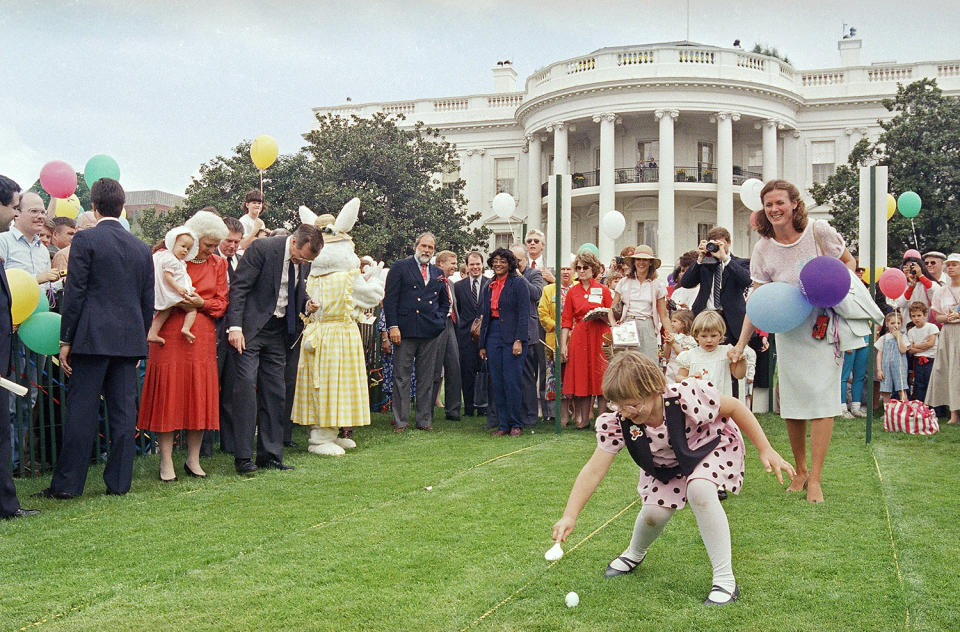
[
  {"x": 267, "y": 296},
  {"x": 107, "y": 309},
  {"x": 416, "y": 306},
  {"x": 467, "y": 294},
  {"x": 9, "y": 505},
  {"x": 531, "y": 363},
  {"x": 448, "y": 352},
  {"x": 723, "y": 279}
]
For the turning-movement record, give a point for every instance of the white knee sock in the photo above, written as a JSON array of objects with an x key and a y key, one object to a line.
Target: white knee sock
[
  {"x": 715, "y": 531},
  {"x": 649, "y": 524}
]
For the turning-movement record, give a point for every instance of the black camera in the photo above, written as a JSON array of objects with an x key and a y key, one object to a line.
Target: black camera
[
  {"x": 620, "y": 261},
  {"x": 712, "y": 247}
]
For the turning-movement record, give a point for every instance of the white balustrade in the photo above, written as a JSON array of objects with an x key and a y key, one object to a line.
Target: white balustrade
[{"x": 890, "y": 73}]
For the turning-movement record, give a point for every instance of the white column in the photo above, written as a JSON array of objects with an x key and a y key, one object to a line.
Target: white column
[
  {"x": 607, "y": 200},
  {"x": 533, "y": 182},
  {"x": 474, "y": 187},
  {"x": 725, "y": 168},
  {"x": 769, "y": 135},
  {"x": 791, "y": 157},
  {"x": 665, "y": 207},
  {"x": 559, "y": 129}
]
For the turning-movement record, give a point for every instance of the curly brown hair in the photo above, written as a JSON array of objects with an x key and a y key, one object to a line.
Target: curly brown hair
[
  {"x": 764, "y": 227},
  {"x": 590, "y": 260}
]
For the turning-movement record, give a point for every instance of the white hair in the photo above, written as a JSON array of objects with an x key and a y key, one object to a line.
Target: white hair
[
  {"x": 207, "y": 224},
  {"x": 536, "y": 233}
]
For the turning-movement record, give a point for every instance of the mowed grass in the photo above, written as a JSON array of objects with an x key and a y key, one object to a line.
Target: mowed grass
[{"x": 359, "y": 543}]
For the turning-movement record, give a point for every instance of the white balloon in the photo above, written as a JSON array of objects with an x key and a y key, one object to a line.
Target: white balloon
[
  {"x": 750, "y": 194},
  {"x": 612, "y": 224},
  {"x": 504, "y": 204}
]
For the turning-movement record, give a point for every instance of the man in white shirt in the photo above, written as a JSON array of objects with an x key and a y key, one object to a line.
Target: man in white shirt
[{"x": 252, "y": 224}]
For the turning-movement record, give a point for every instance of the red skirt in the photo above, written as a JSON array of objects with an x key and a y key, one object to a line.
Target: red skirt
[
  {"x": 181, "y": 388},
  {"x": 586, "y": 363}
]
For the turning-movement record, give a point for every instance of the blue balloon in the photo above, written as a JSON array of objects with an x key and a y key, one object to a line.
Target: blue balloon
[{"x": 777, "y": 307}]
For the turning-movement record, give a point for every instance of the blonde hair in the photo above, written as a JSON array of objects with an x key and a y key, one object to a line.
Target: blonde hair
[
  {"x": 685, "y": 316},
  {"x": 632, "y": 376},
  {"x": 708, "y": 321}
]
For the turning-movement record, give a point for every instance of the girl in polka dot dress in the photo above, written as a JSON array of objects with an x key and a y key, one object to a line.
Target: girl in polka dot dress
[{"x": 686, "y": 438}]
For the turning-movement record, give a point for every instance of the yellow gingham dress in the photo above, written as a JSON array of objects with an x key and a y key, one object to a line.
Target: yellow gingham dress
[{"x": 332, "y": 375}]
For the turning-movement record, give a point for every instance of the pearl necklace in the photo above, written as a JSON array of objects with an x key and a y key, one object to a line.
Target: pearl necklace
[{"x": 198, "y": 261}]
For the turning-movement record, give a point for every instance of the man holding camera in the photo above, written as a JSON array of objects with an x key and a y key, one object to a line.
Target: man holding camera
[{"x": 723, "y": 279}]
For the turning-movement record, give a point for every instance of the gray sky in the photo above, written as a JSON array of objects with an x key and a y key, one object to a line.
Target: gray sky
[{"x": 165, "y": 86}]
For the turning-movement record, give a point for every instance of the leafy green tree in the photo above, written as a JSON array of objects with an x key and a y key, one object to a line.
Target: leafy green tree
[
  {"x": 921, "y": 146},
  {"x": 393, "y": 171}
]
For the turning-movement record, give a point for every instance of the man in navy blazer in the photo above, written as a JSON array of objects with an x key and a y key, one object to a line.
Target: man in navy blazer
[
  {"x": 416, "y": 306},
  {"x": 9, "y": 505},
  {"x": 734, "y": 281},
  {"x": 467, "y": 292},
  {"x": 535, "y": 284},
  {"x": 107, "y": 308},
  {"x": 267, "y": 295}
]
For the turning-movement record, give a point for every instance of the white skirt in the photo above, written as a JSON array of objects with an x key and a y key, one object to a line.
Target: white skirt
[{"x": 809, "y": 372}]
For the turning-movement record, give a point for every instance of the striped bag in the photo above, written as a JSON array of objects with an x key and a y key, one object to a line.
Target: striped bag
[{"x": 912, "y": 417}]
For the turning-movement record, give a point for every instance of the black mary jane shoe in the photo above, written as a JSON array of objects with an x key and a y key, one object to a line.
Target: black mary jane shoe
[
  {"x": 186, "y": 468},
  {"x": 615, "y": 572},
  {"x": 733, "y": 596}
]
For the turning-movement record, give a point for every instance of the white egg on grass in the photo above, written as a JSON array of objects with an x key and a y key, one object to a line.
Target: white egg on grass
[{"x": 572, "y": 599}]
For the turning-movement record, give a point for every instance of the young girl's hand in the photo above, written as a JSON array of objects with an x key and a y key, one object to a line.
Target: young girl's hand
[
  {"x": 772, "y": 461},
  {"x": 563, "y": 528},
  {"x": 879, "y": 374}
]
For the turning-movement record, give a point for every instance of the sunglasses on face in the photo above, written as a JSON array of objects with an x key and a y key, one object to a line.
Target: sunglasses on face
[
  {"x": 584, "y": 268},
  {"x": 533, "y": 241}
]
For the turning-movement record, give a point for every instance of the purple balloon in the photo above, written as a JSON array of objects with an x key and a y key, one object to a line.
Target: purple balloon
[{"x": 824, "y": 281}]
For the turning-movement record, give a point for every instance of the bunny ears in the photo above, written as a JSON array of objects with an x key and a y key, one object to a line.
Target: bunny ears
[{"x": 334, "y": 230}]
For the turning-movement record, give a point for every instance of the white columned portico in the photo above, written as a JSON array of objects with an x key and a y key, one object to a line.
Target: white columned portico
[
  {"x": 769, "y": 138},
  {"x": 725, "y": 167},
  {"x": 791, "y": 156},
  {"x": 665, "y": 206},
  {"x": 607, "y": 199},
  {"x": 474, "y": 189},
  {"x": 560, "y": 151},
  {"x": 533, "y": 182}
]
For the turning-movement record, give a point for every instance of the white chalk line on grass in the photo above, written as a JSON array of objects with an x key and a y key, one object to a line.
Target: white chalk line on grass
[
  {"x": 549, "y": 566},
  {"x": 893, "y": 545},
  {"x": 318, "y": 525}
]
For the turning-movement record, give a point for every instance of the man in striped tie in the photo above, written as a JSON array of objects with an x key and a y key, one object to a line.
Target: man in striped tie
[{"x": 467, "y": 295}]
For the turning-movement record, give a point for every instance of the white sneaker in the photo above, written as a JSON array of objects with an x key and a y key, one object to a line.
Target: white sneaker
[
  {"x": 847, "y": 414},
  {"x": 860, "y": 412}
]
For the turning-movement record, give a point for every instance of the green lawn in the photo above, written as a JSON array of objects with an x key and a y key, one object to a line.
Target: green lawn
[{"x": 359, "y": 543}]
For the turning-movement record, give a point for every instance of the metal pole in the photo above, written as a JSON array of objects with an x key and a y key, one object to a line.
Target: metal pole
[
  {"x": 871, "y": 368},
  {"x": 558, "y": 263}
]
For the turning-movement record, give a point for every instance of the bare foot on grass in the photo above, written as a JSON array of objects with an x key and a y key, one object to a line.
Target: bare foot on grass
[
  {"x": 798, "y": 483},
  {"x": 814, "y": 492}
]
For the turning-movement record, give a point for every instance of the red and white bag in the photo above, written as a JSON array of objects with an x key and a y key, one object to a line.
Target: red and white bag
[{"x": 912, "y": 417}]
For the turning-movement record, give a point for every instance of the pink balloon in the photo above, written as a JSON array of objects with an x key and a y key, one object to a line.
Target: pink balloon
[
  {"x": 58, "y": 179},
  {"x": 753, "y": 219},
  {"x": 893, "y": 282}
]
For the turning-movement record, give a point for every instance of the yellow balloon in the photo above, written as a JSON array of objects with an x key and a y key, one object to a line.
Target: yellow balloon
[
  {"x": 123, "y": 213},
  {"x": 65, "y": 208},
  {"x": 866, "y": 274},
  {"x": 24, "y": 294},
  {"x": 263, "y": 151},
  {"x": 891, "y": 205}
]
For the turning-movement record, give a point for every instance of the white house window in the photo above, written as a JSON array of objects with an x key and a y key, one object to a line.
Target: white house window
[
  {"x": 506, "y": 170},
  {"x": 502, "y": 240},
  {"x": 755, "y": 158},
  {"x": 823, "y": 158},
  {"x": 648, "y": 149},
  {"x": 702, "y": 230},
  {"x": 452, "y": 173},
  {"x": 647, "y": 233}
]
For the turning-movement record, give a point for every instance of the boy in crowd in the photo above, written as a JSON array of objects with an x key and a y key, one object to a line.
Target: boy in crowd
[{"x": 922, "y": 339}]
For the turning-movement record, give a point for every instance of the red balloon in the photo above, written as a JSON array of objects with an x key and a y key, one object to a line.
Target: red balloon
[
  {"x": 58, "y": 179},
  {"x": 893, "y": 282},
  {"x": 753, "y": 219}
]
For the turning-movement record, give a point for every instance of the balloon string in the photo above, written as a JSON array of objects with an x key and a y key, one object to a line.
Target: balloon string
[
  {"x": 916, "y": 245},
  {"x": 261, "y": 182}
]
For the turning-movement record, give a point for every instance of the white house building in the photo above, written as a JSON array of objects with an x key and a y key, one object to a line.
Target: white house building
[{"x": 664, "y": 133}]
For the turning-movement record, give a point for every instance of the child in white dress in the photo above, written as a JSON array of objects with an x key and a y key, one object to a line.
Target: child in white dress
[
  {"x": 678, "y": 342},
  {"x": 172, "y": 283},
  {"x": 710, "y": 361}
]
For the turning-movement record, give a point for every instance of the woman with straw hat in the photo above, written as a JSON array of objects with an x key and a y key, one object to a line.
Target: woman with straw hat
[{"x": 642, "y": 301}]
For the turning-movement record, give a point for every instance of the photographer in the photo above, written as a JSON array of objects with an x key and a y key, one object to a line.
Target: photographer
[
  {"x": 920, "y": 286},
  {"x": 723, "y": 279}
]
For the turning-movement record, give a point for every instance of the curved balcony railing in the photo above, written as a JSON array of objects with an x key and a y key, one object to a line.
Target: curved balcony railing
[{"x": 705, "y": 174}]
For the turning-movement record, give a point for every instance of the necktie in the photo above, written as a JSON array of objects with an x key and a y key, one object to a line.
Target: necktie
[
  {"x": 533, "y": 264},
  {"x": 291, "y": 299},
  {"x": 453, "y": 309},
  {"x": 717, "y": 278},
  {"x": 476, "y": 290},
  {"x": 423, "y": 271}
]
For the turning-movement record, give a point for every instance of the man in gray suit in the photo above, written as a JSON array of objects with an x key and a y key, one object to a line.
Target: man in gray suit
[
  {"x": 448, "y": 354},
  {"x": 535, "y": 284}
]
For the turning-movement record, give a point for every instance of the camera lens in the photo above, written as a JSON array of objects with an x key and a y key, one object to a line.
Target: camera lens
[{"x": 712, "y": 247}]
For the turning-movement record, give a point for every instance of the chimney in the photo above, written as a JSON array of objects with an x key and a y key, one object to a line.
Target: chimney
[
  {"x": 849, "y": 48},
  {"x": 504, "y": 77}
]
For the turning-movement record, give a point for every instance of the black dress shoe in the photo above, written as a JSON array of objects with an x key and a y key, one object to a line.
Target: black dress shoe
[
  {"x": 291, "y": 444},
  {"x": 22, "y": 513},
  {"x": 274, "y": 464},
  {"x": 49, "y": 493},
  {"x": 111, "y": 492},
  {"x": 453, "y": 417},
  {"x": 186, "y": 468},
  {"x": 245, "y": 466}
]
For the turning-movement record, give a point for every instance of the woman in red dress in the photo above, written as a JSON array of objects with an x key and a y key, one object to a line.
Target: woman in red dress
[
  {"x": 180, "y": 390},
  {"x": 582, "y": 348}
]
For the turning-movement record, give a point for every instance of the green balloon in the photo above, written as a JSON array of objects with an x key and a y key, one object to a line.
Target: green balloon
[
  {"x": 43, "y": 305},
  {"x": 101, "y": 166},
  {"x": 908, "y": 204},
  {"x": 41, "y": 333},
  {"x": 589, "y": 248}
]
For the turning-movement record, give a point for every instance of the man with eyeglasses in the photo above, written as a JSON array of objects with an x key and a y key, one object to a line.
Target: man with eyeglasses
[
  {"x": 535, "y": 243},
  {"x": 9, "y": 202},
  {"x": 467, "y": 292},
  {"x": 933, "y": 262}
]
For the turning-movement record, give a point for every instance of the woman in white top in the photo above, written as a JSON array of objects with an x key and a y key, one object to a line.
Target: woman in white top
[{"x": 643, "y": 299}]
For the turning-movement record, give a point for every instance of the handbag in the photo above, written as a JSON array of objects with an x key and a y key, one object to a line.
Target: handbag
[
  {"x": 475, "y": 329},
  {"x": 911, "y": 417},
  {"x": 481, "y": 385}
]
